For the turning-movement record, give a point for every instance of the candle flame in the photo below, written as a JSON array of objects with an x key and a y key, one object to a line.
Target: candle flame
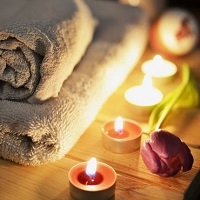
[
  {"x": 147, "y": 81},
  {"x": 163, "y": 67},
  {"x": 131, "y": 2},
  {"x": 119, "y": 125},
  {"x": 158, "y": 60},
  {"x": 91, "y": 167},
  {"x": 134, "y": 2}
]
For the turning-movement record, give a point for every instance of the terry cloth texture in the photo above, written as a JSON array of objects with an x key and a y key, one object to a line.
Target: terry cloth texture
[
  {"x": 40, "y": 44},
  {"x": 35, "y": 134}
]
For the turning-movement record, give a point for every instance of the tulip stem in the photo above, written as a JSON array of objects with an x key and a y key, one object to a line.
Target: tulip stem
[
  {"x": 177, "y": 95},
  {"x": 161, "y": 111}
]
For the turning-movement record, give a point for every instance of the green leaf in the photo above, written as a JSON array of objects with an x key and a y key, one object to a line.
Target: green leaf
[{"x": 185, "y": 95}]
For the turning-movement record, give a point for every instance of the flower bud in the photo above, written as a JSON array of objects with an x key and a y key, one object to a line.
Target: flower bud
[{"x": 165, "y": 154}]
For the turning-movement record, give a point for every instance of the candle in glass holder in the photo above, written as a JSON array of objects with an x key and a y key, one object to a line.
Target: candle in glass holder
[
  {"x": 92, "y": 180},
  {"x": 121, "y": 135},
  {"x": 162, "y": 71}
]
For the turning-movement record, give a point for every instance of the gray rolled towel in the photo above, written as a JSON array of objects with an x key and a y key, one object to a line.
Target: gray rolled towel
[
  {"x": 40, "y": 44},
  {"x": 35, "y": 134}
]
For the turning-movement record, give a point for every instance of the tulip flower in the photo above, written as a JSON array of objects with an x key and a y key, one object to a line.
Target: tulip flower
[{"x": 165, "y": 154}]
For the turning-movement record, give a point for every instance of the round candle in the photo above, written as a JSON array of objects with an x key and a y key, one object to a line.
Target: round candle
[
  {"x": 159, "y": 69},
  {"x": 92, "y": 180},
  {"x": 143, "y": 98},
  {"x": 121, "y": 135}
]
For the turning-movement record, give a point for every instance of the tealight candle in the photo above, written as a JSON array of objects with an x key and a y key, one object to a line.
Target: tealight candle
[
  {"x": 159, "y": 69},
  {"x": 152, "y": 8},
  {"x": 121, "y": 135},
  {"x": 92, "y": 180},
  {"x": 143, "y": 98}
]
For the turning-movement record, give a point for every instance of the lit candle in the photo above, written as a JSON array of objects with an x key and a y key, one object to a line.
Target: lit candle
[
  {"x": 143, "y": 98},
  {"x": 159, "y": 69},
  {"x": 121, "y": 135},
  {"x": 152, "y": 8},
  {"x": 145, "y": 94},
  {"x": 92, "y": 180}
]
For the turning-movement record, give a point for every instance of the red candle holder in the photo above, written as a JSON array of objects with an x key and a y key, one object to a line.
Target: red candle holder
[
  {"x": 100, "y": 186},
  {"x": 124, "y": 140}
]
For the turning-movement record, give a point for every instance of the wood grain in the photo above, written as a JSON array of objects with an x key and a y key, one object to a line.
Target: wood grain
[{"x": 134, "y": 181}]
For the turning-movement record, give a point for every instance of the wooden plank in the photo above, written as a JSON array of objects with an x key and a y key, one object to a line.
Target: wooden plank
[
  {"x": 193, "y": 191},
  {"x": 134, "y": 181},
  {"x": 50, "y": 182},
  {"x": 130, "y": 164},
  {"x": 44, "y": 182}
]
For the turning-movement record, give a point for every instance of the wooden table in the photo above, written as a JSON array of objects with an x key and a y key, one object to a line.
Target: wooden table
[{"x": 134, "y": 181}]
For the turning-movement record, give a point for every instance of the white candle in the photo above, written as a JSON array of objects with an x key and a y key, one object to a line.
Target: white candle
[
  {"x": 159, "y": 68},
  {"x": 145, "y": 94},
  {"x": 143, "y": 98}
]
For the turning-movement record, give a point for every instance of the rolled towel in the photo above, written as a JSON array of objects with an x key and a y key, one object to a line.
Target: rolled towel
[
  {"x": 35, "y": 134},
  {"x": 40, "y": 44}
]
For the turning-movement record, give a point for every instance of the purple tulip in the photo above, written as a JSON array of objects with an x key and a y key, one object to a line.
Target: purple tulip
[{"x": 165, "y": 154}]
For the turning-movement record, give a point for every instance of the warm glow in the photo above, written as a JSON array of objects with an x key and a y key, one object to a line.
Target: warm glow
[
  {"x": 134, "y": 2},
  {"x": 91, "y": 167},
  {"x": 147, "y": 81},
  {"x": 158, "y": 67},
  {"x": 119, "y": 125},
  {"x": 145, "y": 94},
  {"x": 158, "y": 60},
  {"x": 131, "y": 2}
]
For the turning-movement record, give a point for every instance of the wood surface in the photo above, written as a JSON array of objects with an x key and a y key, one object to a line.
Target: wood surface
[{"x": 134, "y": 180}]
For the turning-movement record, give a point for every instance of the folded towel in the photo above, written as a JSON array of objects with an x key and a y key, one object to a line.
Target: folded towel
[
  {"x": 40, "y": 44},
  {"x": 35, "y": 134}
]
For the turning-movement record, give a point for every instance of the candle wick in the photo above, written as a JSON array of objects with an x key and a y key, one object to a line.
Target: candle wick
[
  {"x": 120, "y": 131},
  {"x": 90, "y": 181}
]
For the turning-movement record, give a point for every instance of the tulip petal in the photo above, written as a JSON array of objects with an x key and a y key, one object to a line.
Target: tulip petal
[
  {"x": 150, "y": 158},
  {"x": 163, "y": 166},
  {"x": 185, "y": 157},
  {"x": 164, "y": 143},
  {"x": 173, "y": 167},
  {"x": 165, "y": 154}
]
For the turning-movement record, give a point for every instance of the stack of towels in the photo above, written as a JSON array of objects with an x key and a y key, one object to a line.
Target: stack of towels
[{"x": 59, "y": 62}]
